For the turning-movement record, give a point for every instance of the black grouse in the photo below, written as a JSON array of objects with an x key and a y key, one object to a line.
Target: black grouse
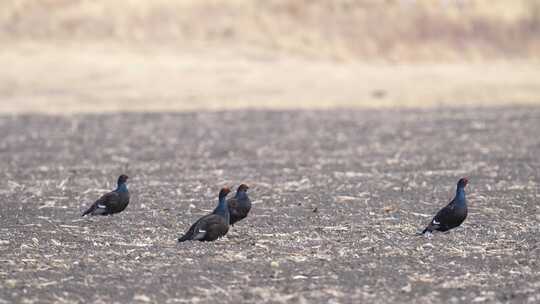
[
  {"x": 113, "y": 202},
  {"x": 212, "y": 226},
  {"x": 453, "y": 214}
]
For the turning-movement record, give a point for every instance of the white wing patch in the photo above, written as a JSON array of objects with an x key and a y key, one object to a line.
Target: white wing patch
[
  {"x": 200, "y": 234},
  {"x": 435, "y": 222},
  {"x": 101, "y": 206}
]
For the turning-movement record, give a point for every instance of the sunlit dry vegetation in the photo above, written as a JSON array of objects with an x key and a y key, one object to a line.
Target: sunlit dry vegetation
[
  {"x": 63, "y": 56},
  {"x": 396, "y": 29}
]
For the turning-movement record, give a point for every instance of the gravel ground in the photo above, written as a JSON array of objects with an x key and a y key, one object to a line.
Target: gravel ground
[{"x": 338, "y": 197}]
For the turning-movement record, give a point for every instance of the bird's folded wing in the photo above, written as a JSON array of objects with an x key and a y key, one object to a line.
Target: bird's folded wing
[
  {"x": 232, "y": 203},
  {"x": 200, "y": 228},
  {"x": 444, "y": 215},
  {"x": 108, "y": 200}
]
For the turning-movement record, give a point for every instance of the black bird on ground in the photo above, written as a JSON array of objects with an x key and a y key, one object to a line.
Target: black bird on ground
[
  {"x": 212, "y": 226},
  {"x": 112, "y": 202},
  {"x": 239, "y": 205},
  {"x": 453, "y": 214}
]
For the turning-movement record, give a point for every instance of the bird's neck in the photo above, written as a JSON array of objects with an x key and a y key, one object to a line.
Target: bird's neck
[
  {"x": 122, "y": 188},
  {"x": 241, "y": 195},
  {"x": 460, "y": 195},
  {"x": 222, "y": 208}
]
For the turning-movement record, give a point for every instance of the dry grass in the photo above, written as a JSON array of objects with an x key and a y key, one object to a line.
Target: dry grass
[
  {"x": 402, "y": 30},
  {"x": 61, "y": 56},
  {"x": 101, "y": 56}
]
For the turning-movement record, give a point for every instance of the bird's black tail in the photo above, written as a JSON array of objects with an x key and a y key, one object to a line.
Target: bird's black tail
[
  {"x": 90, "y": 210},
  {"x": 184, "y": 238},
  {"x": 428, "y": 229},
  {"x": 188, "y": 235}
]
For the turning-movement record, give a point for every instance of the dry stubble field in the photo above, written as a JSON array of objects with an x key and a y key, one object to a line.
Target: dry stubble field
[{"x": 338, "y": 197}]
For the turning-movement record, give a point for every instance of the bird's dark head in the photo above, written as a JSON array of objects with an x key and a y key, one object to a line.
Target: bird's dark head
[
  {"x": 122, "y": 179},
  {"x": 242, "y": 188},
  {"x": 463, "y": 182},
  {"x": 224, "y": 191}
]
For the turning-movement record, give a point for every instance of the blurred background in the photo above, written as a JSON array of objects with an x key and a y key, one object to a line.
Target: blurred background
[{"x": 75, "y": 56}]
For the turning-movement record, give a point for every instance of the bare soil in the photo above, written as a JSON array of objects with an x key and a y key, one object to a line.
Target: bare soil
[{"x": 338, "y": 197}]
